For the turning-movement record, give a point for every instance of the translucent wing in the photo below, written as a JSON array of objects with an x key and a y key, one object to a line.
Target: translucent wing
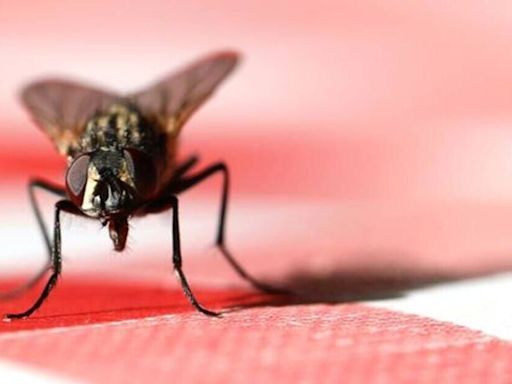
[
  {"x": 171, "y": 101},
  {"x": 62, "y": 108}
]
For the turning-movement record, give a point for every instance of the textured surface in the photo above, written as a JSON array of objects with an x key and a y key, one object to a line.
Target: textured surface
[{"x": 305, "y": 343}]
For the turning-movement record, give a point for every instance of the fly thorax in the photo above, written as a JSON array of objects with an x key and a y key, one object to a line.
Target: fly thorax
[{"x": 118, "y": 126}]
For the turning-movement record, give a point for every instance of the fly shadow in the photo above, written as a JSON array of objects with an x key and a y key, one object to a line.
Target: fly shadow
[{"x": 368, "y": 281}]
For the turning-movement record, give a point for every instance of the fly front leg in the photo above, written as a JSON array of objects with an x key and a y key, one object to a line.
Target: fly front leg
[
  {"x": 48, "y": 187},
  {"x": 55, "y": 261},
  {"x": 177, "y": 260}
]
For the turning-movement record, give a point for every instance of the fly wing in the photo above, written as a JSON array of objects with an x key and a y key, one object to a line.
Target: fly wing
[
  {"x": 62, "y": 108},
  {"x": 171, "y": 101}
]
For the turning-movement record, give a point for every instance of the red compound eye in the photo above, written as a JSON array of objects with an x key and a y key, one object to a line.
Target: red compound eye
[
  {"x": 76, "y": 179},
  {"x": 143, "y": 171}
]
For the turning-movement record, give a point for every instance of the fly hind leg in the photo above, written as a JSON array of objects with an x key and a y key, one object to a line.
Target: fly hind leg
[{"x": 189, "y": 182}]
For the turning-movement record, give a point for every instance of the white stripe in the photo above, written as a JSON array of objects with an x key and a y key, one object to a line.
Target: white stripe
[
  {"x": 17, "y": 373},
  {"x": 482, "y": 304}
]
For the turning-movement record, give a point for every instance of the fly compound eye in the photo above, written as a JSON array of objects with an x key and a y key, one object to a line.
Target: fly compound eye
[
  {"x": 142, "y": 169},
  {"x": 76, "y": 178}
]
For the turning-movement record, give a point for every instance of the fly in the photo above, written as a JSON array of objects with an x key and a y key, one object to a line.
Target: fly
[{"x": 121, "y": 153}]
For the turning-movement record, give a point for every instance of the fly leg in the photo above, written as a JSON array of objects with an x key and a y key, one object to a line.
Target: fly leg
[
  {"x": 55, "y": 258},
  {"x": 184, "y": 167},
  {"x": 189, "y": 182},
  {"x": 177, "y": 261},
  {"x": 160, "y": 205},
  {"x": 59, "y": 191}
]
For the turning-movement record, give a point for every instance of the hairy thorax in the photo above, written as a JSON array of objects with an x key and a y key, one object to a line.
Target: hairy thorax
[{"x": 119, "y": 126}]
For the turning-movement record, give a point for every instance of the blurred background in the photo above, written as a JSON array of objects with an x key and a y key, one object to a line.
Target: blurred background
[{"x": 364, "y": 137}]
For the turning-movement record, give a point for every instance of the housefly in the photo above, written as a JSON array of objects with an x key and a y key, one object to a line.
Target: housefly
[{"x": 121, "y": 154}]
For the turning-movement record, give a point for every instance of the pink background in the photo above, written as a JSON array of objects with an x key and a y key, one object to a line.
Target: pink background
[{"x": 407, "y": 100}]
